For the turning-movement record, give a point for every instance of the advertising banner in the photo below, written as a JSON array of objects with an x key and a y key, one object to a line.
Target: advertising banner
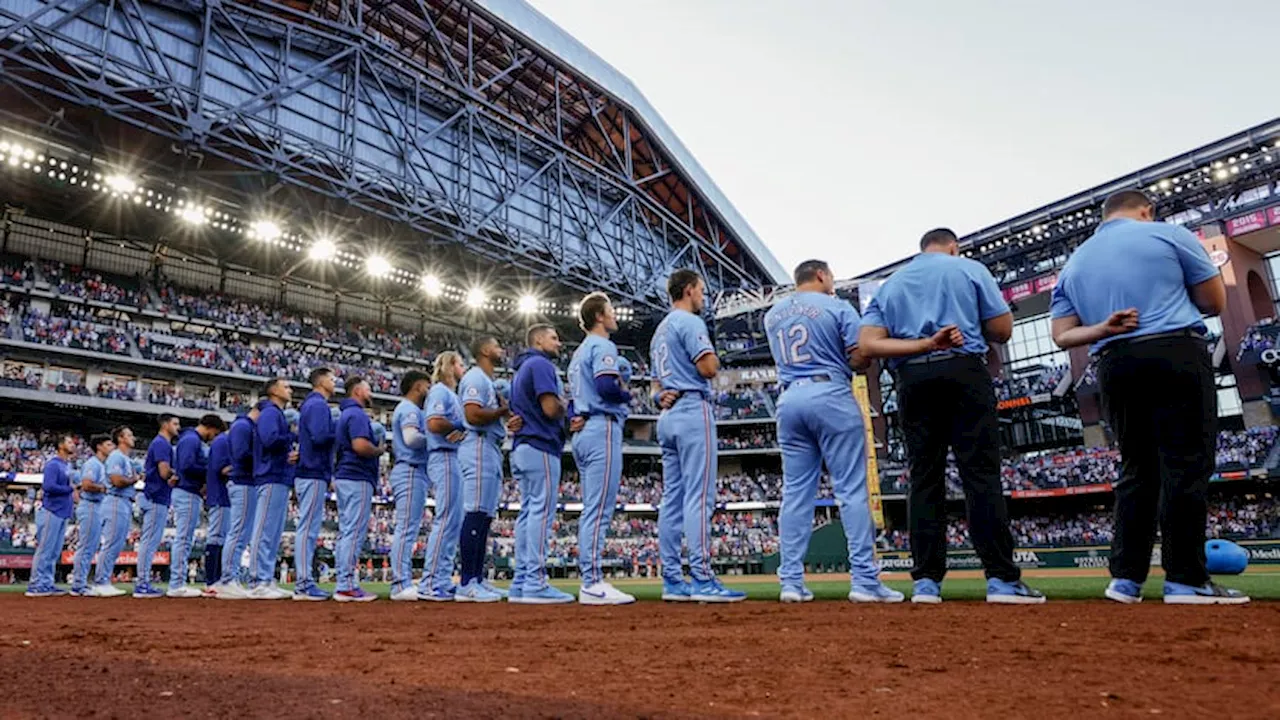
[
  {"x": 127, "y": 557},
  {"x": 1247, "y": 223}
]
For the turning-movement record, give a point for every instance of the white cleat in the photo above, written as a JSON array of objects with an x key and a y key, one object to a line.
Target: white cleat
[
  {"x": 602, "y": 593},
  {"x": 268, "y": 592},
  {"x": 231, "y": 591},
  {"x": 106, "y": 591},
  {"x": 409, "y": 594},
  {"x": 184, "y": 592},
  {"x": 879, "y": 594}
]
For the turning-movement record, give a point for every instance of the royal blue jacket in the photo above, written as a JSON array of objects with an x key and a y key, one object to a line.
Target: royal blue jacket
[
  {"x": 315, "y": 438},
  {"x": 272, "y": 443},
  {"x": 241, "y": 440},
  {"x": 215, "y": 486},
  {"x": 191, "y": 464},
  {"x": 57, "y": 488}
]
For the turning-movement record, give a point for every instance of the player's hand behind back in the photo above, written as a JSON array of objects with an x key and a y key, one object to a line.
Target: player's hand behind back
[
  {"x": 576, "y": 423},
  {"x": 514, "y": 423},
  {"x": 947, "y": 338},
  {"x": 1121, "y": 322}
]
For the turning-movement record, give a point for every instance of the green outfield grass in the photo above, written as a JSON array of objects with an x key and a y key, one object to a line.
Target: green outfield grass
[{"x": 1260, "y": 583}]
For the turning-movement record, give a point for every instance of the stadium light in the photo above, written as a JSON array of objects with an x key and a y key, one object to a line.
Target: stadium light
[
  {"x": 121, "y": 184},
  {"x": 475, "y": 297},
  {"x": 322, "y": 249},
  {"x": 193, "y": 214},
  {"x": 265, "y": 230},
  {"x": 377, "y": 266},
  {"x": 431, "y": 286},
  {"x": 527, "y": 304}
]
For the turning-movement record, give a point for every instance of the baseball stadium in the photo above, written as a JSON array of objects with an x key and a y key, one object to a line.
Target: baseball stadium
[{"x": 201, "y": 197}]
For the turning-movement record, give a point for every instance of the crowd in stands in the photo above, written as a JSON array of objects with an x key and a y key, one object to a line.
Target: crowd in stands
[
  {"x": 73, "y": 281},
  {"x": 80, "y": 334},
  {"x": 1259, "y": 337},
  {"x": 1248, "y": 448},
  {"x": 1041, "y": 383},
  {"x": 743, "y": 404},
  {"x": 748, "y": 439}
]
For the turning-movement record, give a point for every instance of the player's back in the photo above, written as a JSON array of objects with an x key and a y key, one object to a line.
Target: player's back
[
  {"x": 680, "y": 340},
  {"x": 476, "y": 388},
  {"x": 594, "y": 357},
  {"x": 442, "y": 402},
  {"x": 810, "y": 336}
]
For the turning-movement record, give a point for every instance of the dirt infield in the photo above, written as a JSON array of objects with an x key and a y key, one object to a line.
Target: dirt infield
[{"x": 65, "y": 657}]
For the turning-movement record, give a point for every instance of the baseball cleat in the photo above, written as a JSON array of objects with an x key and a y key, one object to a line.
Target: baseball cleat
[
  {"x": 545, "y": 595},
  {"x": 309, "y": 593},
  {"x": 106, "y": 590},
  {"x": 516, "y": 591},
  {"x": 437, "y": 595},
  {"x": 146, "y": 592},
  {"x": 713, "y": 591},
  {"x": 878, "y": 593},
  {"x": 602, "y": 593},
  {"x": 1208, "y": 594},
  {"x": 1000, "y": 592},
  {"x": 268, "y": 591},
  {"x": 926, "y": 592},
  {"x": 493, "y": 589},
  {"x": 80, "y": 592},
  {"x": 408, "y": 594},
  {"x": 1124, "y": 591},
  {"x": 680, "y": 591},
  {"x": 44, "y": 592},
  {"x": 183, "y": 592},
  {"x": 354, "y": 595},
  {"x": 232, "y": 590},
  {"x": 474, "y": 592},
  {"x": 795, "y": 594}
]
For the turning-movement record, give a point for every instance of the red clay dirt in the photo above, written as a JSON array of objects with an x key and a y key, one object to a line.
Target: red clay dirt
[{"x": 70, "y": 657}]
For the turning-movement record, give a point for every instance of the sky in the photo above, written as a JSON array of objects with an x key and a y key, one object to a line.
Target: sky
[{"x": 845, "y": 129}]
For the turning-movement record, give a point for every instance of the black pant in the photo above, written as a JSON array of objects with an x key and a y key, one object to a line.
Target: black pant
[
  {"x": 950, "y": 404},
  {"x": 1161, "y": 402}
]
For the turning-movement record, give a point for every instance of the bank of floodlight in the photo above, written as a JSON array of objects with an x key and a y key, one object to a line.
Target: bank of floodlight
[
  {"x": 265, "y": 230},
  {"x": 377, "y": 266},
  {"x": 322, "y": 250},
  {"x": 431, "y": 286},
  {"x": 476, "y": 297}
]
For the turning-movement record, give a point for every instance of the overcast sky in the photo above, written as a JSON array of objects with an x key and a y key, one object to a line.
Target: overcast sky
[{"x": 844, "y": 129}]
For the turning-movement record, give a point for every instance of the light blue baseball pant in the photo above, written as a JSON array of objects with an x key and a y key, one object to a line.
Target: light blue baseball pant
[
  {"x": 154, "y": 516},
  {"x": 687, "y": 435},
  {"x": 597, "y": 450},
  {"x": 481, "y": 462},
  {"x": 51, "y": 530},
  {"x": 409, "y": 488},
  {"x": 538, "y": 474},
  {"x": 117, "y": 519},
  {"x": 355, "y": 502},
  {"x": 187, "y": 507},
  {"x": 89, "y": 527},
  {"x": 219, "y": 518},
  {"x": 817, "y": 423},
  {"x": 244, "y": 508},
  {"x": 442, "y": 544},
  {"x": 311, "y": 494},
  {"x": 268, "y": 527}
]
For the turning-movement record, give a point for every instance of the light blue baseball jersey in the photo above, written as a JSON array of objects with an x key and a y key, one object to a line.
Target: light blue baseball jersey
[
  {"x": 96, "y": 471},
  {"x": 1129, "y": 263},
  {"x": 935, "y": 290},
  {"x": 477, "y": 388},
  {"x": 811, "y": 334},
  {"x": 119, "y": 464},
  {"x": 443, "y": 403},
  {"x": 679, "y": 342},
  {"x": 596, "y": 356},
  {"x": 405, "y": 415}
]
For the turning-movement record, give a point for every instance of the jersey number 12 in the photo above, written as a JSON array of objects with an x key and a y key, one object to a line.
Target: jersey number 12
[{"x": 794, "y": 353}]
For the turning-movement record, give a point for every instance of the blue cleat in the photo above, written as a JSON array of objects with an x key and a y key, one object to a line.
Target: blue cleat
[
  {"x": 474, "y": 592},
  {"x": 357, "y": 594},
  {"x": 795, "y": 594},
  {"x": 926, "y": 591},
  {"x": 437, "y": 594},
  {"x": 677, "y": 591},
  {"x": 515, "y": 591},
  {"x": 545, "y": 595},
  {"x": 713, "y": 591},
  {"x": 494, "y": 589},
  {"x": 144, "y": 591},
  {"x": 1001, "y": 592},
  {"x": 878, "y": 593},
  {"x": 1208, "y": 594},
  {"x": 309, "y": 593},
  {"x": 80, "y": 592},
  {"x": 1124, "y": 591},
  {"x": 49, "y": 591}
]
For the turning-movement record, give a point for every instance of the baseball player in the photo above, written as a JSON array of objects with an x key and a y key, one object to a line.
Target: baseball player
[
  {"x": 51, "y": 520},
  {"x": 444, "y": 432},
  {"x": 316, "y": 425},
  {"x": 192, "y": 465},
  {"x": 813, "y": 337},
  {"x": 355, "y": 478},
  {"x": 685, "y": 362},
  {"x": 159, "y": 479},
  {"x": 93, "y": 486},
  {"x": 218, "y": 504},
  {"x": 244, "y": 507},
  {"x": 600, "y": 401},
  {"x": 933, "y": 319},
  {"x": 1135, "y": 293},
  {"x": 480, "y": 458},
  {"x": 408, "y": 481},
  {"x": 537, "y": 399},
  {"x": 117, "y": 510},
  {"x": 273, "y": 454}
]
